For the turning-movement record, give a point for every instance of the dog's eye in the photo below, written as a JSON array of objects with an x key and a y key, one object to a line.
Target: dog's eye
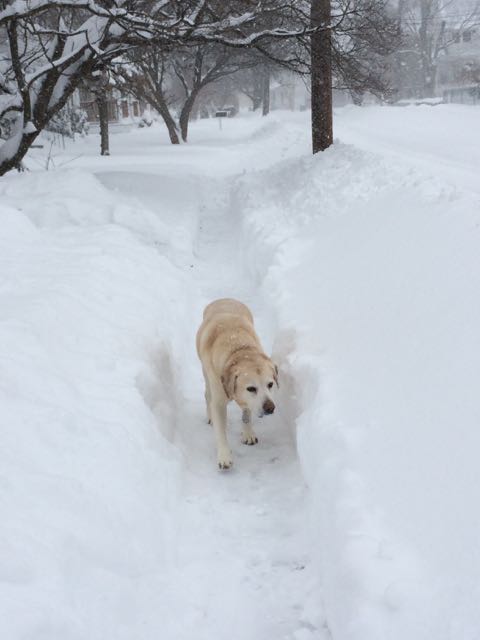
[
  {"x": 252, "y": 389},
  {"x": 270, "y": 385}
]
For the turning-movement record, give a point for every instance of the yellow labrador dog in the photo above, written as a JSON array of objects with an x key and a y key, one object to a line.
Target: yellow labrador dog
[{"x": 235, "y": 368}]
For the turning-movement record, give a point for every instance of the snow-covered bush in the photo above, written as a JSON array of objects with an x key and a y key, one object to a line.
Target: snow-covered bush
[
  {"x": 7, "y": 124},
  {"x": 69, "y": 121},
  {"x": 146, "y": 120}
]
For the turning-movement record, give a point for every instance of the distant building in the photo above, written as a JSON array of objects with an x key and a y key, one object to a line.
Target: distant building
[
  {"x": 459, "y": 67},
  {"x": 451, "y": 68},
  {"x": 289, "y": 91},
  {"x": 292, "y": 91},
  {"x": 123, "y": 109}
]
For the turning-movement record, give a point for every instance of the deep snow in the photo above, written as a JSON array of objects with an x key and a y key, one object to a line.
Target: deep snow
[
  {"x": 361, "y": 266},
  {"x": 119, "y": 524},
  {"x": 374, "y": 264}
]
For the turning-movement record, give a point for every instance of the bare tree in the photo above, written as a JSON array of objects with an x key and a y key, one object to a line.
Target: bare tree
[
  {"x": 196, "y": 69},
  {"x": 172, "y": 79},
  {"x": 265, "y": 63},
  {"x": 250, "y": 83},
  {"x": 52, "y": 44},
  {"x": 144, "y": 74},
  {"x": 429, "y": 28}
]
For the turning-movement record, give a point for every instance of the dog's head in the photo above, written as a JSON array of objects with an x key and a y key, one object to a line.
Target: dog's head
[{"x": 251, "y": 382}]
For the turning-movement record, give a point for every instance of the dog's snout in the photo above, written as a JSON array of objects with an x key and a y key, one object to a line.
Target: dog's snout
[{"x": 268, "y": 407}]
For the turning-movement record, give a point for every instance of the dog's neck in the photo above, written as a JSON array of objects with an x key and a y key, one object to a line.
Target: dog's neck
[{"x": 244, "y": 352}]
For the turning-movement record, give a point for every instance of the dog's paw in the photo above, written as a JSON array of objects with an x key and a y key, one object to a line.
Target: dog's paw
[
  {"x": 225, "y": 460},
  {"x": 249, "y": 438}
]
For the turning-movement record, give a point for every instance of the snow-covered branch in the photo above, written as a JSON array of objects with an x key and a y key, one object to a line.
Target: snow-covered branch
[{"x": 52, "y": 44}]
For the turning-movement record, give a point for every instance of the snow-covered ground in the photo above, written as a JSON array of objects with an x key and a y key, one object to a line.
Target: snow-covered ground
[{"x": 355, "y": 517}]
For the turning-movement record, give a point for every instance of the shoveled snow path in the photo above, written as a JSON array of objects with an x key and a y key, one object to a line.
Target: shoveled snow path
[{"x": 239, "y": 565}]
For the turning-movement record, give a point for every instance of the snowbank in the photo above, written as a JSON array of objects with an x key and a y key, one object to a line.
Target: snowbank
[
  {"x": 374, "y": 269},
  {"x": 87, "y": 483},
  {"x": 441, "y": 140}
]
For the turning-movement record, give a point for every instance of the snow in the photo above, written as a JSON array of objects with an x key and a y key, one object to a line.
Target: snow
[
  {"x": 80, "y": 451},
  {"x": 375, "y": 274},
  {"x": 355, "y": 517},
  {"x": 437, "y": 140},
  {"x": 29, "y": 127}
]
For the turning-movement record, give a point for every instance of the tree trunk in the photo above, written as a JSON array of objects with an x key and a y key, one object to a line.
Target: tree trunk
[
  {"x": 357, "y": 98},
  {"x": 102, "y": 105},
  {"x": 185, "y": 114},
  {"x": 266, "y": 92},
  {"x": 426, "y": 47},
  {"x": 171, "y": 127},
  {"x": 257, "y": 90},
  {"x": 430, "y": 81},
  {"x": 321, "y": 73},
  {"x": 397, "y": 69},
  {"x": 256, "y": 102},
  {"x": 161, "y": 106},
  {"x": 14, "y": 150}
]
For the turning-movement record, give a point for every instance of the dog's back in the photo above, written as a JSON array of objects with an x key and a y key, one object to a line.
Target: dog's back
[
  {"x": 227, "y": 324},
  {"x": 227, "y": 305}
]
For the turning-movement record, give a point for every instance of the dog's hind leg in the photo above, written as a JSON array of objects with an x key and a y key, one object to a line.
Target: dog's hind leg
[
  {"x": 218, "y": 410},
  {"x": 208, "y": 396},
  {"x": 248, "y": 434}
]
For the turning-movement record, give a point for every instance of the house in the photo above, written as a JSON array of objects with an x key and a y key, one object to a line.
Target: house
[
  {"x": 289, "y": 91},
  {"x": 123, "y": 110},
  {"x": 459, "y": 67}
]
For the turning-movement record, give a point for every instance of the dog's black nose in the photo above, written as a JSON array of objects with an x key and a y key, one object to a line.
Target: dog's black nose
[{"x": 268, "y": 407}]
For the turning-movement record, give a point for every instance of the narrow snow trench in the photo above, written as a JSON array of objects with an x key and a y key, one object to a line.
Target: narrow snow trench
[{"x": 239, "y": 562}]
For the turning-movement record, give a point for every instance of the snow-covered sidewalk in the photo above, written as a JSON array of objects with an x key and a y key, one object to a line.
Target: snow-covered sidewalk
[{"x": 118, "y": 522}]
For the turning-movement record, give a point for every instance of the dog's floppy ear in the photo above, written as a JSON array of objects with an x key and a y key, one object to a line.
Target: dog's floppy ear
[
  {"x": 275, "y": 375},
  {"x": 229, "y": 381}
]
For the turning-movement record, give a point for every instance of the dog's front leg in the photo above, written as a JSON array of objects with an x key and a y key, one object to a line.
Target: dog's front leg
[
  {"x": 248, "y": 434},
  {"x": 218, "y": 408}
]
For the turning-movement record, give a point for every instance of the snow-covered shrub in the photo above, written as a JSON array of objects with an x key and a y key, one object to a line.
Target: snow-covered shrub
[
  {"x": 69, "y": 121},
  {"x": 146, "y": 120},
  {"x": 6, "y": 126}
]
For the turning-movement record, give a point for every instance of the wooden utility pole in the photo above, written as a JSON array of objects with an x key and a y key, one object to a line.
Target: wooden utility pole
[{"x": 321, "y": 73}]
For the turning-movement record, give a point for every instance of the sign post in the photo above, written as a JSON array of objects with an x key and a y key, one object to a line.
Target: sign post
[{"x": 222, "y": 113}]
